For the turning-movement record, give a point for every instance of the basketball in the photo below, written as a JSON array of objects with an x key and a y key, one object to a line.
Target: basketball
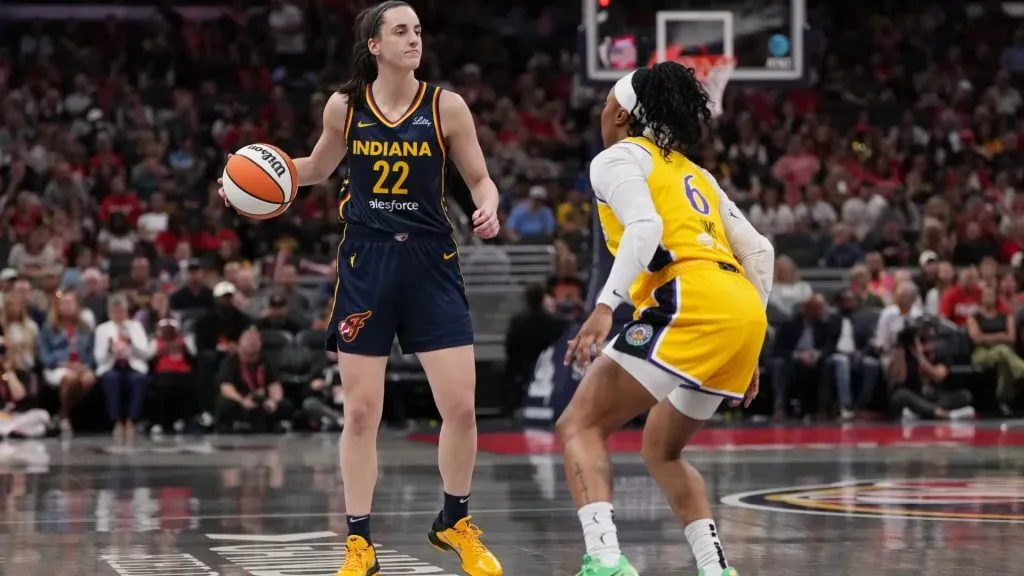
[{"x": 260, "y": 181}]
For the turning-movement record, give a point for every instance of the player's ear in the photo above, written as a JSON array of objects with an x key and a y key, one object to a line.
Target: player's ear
[
  {"x": 373, "y": 47},
  {"x": 621, "y": 117}
]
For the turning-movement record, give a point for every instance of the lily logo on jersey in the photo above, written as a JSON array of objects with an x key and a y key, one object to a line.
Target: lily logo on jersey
[
  {"x": 349, "y": 328},
  {"x": 362, "y": 124},
  {"x": 420, "y": 121}
]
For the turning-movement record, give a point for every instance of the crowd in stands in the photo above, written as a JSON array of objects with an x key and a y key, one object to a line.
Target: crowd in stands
[{"x": 127, "y": 280}]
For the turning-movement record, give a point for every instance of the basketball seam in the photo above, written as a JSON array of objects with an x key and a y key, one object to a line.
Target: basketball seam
[
  {"x": 284, "y": 195},
  {"x": 247, "y": 193}
]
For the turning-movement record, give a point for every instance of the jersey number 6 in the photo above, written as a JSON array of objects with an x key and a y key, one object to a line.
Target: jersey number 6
[
  {"x": 696, "y": 199},
  {"x": 384, "y": 168}
]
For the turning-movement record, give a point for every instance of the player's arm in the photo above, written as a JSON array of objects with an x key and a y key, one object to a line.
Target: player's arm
[
  {"x": 753, "y": 251},
  {"x": 330, "y": 148},
  {"x": 459, "y": 131},
  {"x": 619, "y": 177}
]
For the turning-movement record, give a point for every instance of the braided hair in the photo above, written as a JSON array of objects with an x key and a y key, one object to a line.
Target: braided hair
[
  {"x": 673, "y": 108},
  {"x": 364, "y": 63}
]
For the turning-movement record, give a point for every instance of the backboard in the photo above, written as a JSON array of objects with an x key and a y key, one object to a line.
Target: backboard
[{"x": 765, "y": 36}]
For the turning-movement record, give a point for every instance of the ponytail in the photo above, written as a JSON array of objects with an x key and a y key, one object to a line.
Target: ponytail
[{"x": 363, "y": 66}]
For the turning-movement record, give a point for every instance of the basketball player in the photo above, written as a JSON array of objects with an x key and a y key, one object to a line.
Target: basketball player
[
  {"x": 699, "y": 276},
  {"x": 398, "y": 268}
]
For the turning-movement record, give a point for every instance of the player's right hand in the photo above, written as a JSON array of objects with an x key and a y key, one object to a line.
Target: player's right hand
[
  {"x": 753, "y": 389},
  {"x": 220, "y": 191}
]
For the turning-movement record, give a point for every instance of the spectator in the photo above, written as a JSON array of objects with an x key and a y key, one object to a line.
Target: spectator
[
  {"x": 797, "y": 358},
  {"x": 770, "y": 216},
  {"x": 849, "y": 352},
  {"x": 324, "y": 404},
  {"x": 22, "y": 289},
  {"x": 816, "y": 210},
  {"x": 994, "y": 335},
  {"x": 530, "y": 333},
  {"x": 122, "y": 352},
  {"x": 796, "y": 168},
  {"x": 250, "y": 390},
  {"x": 532, "y": 220},
  {"x": 34, "y": 256},
  {"x": 117, "y": 239},
  {"x": 573, "y": 206},
  {"x": 194, "y": 294},
  {"x": 155, "y": 220},
  {"x": 22, "y": 333},
  {"x": 66, "y": 353},
  {"x": 880, "y": 282},
  {"x": 894, "y": 249},
  {"x": 217, "y": 333},
  {"x": 919, "y": 373},
  {"x": 960, "y": 302},
  {"x": 988, "y": 272},
  {"x": 860, "y": 285},
  {"x": 94, "y": 294},
  {"x": 844, "y": 251},
  {"x": 287, "y": 28},
  {"x": 1009, "y": 299},
  {"x": 158, "y": 309},
  {"x": 174, "y": 396},
  {"x": 974, "y": 246},
  {"x": 789, "y": 290},
  {"x": 18, "y": 415},
  {"x": 943, "y": 282},
  {"x": 286, "y": 285},
  {"x": 893, "y": 320},
  {"x": 276, "y": 317},
  {"x": 929, "y": 263}
]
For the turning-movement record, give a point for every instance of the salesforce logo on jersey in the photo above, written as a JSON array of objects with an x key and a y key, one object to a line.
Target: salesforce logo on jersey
[{"x": 394, "y": 205}]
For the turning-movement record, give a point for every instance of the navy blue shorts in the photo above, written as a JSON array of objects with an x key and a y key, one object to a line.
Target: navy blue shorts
[{"x": 397, "y": 285}]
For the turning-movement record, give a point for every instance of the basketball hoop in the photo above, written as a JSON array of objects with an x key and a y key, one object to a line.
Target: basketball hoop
[{"x": 713, "y": 71}]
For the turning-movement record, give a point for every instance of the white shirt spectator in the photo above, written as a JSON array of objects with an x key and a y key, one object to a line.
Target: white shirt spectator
[
  {"x": 846, "y": 344},
  {"x": 785, "y": 296},
  {"x": 152, "y": 223},
  {"x": 891, "y": 322},
  {"x": 821, "y": 213},
  {"x": 138, "y": 351},
  {"x": 286, "y": 23},
  {"x": 1008, "y": 100},
  {"x": 772, "y": 221},
  {"x": 855, "y": 214}
]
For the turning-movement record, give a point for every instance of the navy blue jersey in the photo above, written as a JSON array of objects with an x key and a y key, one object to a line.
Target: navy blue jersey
[{"x": 396, "y": 170}]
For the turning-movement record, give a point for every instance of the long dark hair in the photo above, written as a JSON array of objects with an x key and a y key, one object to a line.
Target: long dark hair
[
  {"x": 674, "y": 107},
  {"x": 364, "y": 64}
]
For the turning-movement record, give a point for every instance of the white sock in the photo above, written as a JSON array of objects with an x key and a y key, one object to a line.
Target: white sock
[
  {"x": 707, "y": 548},
  {"x": 599, "y": 532}
]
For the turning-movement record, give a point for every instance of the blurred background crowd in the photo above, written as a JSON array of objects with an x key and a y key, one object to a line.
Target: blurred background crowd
[{"x": 130, "y": 296}]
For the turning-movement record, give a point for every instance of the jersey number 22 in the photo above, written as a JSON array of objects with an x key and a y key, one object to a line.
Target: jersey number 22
[{"x": 384, "y": 170}]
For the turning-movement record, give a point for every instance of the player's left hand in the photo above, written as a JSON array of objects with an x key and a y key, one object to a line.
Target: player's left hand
[
  {"x": 591, "y": 335},
  {"x": 485, "y": 223}
]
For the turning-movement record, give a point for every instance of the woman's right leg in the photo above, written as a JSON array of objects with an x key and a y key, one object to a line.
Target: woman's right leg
[
  {"x": 110, "y": 381},
  {"x": 363, "y": 380}
]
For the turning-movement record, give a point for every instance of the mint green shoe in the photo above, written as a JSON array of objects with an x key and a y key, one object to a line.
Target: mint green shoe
[
  {"x": 726, "y": 572},
  {"x": 593, "y": 567}
]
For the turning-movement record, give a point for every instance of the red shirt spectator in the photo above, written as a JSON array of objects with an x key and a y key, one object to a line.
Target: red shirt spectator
[
  {"x": 121, "y": 200},
  {"x": 209, "y": 240},
  {"x": 961, "y": 301}
]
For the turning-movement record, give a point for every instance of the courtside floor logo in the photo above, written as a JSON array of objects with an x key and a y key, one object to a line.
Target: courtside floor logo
[{"x": 973, "y": 499}]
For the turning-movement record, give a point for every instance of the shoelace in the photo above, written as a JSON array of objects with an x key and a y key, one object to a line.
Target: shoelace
[
  {"x": 587, "y": 568},
  {"x": 354, "y": 557},
  {"x": 472, "y": 533}
]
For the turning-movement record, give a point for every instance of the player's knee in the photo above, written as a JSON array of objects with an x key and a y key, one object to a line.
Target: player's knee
[
  {"x": 566, "y": 427},
  {"x": 362, "y": 417},
  {"x": 460, "y": 412}
]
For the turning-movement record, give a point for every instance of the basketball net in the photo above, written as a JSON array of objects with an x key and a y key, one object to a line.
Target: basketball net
[{"x": 713, "y": 71}]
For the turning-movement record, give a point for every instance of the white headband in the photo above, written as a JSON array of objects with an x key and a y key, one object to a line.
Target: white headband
[{"x": 626, "y": 96}]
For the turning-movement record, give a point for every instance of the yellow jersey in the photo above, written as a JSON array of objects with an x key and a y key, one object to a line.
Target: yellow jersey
[{"x": 687, "y": 199}]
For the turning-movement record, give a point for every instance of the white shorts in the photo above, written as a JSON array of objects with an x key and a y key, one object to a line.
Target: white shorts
[
  {"x": 54, "y": 376},
  {"x": 690, "y": 402}
]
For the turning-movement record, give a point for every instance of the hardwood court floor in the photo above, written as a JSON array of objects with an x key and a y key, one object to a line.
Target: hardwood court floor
[{"x": 827, "y": 501}]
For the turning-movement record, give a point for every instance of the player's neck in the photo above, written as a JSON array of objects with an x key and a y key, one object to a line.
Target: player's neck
[{"x": 393, "y": 88}]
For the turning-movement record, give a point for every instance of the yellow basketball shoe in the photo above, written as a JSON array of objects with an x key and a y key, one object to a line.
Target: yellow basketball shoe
[
  {"x": 360, "y": 558},
  {"x": 464, "y": 540}
]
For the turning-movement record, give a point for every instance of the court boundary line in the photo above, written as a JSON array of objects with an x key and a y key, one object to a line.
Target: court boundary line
[{"x": 736, "y": 501}]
